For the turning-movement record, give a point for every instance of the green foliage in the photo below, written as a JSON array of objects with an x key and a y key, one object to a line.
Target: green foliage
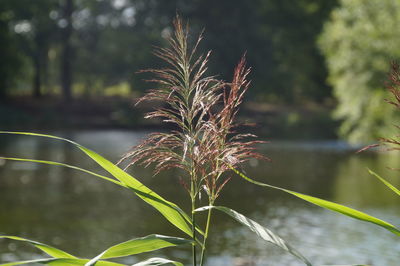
[
  {"x": 261, "y": 231},
  {"x": 9, "y": 54},
  {"x": 279, "y": 37},
  {"x": 330, "y": 206},
  {"x": 298, "y": 71},
  {"x": 110, "y": 41},
  {"x": 128, "y": 248},
  {"x": 169, "y": 210},
  {"x": 54, "y": 252},
  {"x": 84, "y": 262},
  {"x": 153, "y": 242},
  {"x": 157, "y": 261},
  {"x": 139, "y": 245},
  {"x": 61, "y": 262},
  {"x": 384, "y": 181},
  {"x": 358, "y": 42}
]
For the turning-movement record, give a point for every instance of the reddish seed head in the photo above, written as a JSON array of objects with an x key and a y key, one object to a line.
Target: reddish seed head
[{"x": 204, "y": 144}]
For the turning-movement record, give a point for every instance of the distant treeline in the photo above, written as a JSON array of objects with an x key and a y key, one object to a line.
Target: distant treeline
[
  {"x": 303, "y": 51},
  {"x": 72, "y": 47}
]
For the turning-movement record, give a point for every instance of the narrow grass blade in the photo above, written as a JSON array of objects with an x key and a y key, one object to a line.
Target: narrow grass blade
[
  {"x": 139, "y": 245},
  {"x": 330, "y": 206},
  {"x": 52, "y": 251},
  {"x": 25, "y": 262},
  {"x": 396, "y": 190},
  {"x": 157, "y": 261},
  {"x": 63, "y": 165},
  {"x": 81, "y": 262},
  {"x": 62, "y": 262},
  {"x": 261, "y": 231},
  {"x": 75, "y": 168},
  {"x": 169, "y": 210},
  {"x": 348, "y": 265}
]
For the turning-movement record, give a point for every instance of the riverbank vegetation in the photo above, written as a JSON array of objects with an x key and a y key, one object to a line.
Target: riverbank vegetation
[{"x": 313, "y": 56}]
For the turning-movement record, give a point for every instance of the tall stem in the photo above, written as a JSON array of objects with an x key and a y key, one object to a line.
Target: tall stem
[
  {"x": 194, "y": 230},
  {"x": 203, "y": 248}
]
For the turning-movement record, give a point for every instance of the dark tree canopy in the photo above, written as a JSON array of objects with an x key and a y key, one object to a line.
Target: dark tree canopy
[{"x": 107, "y": 41}]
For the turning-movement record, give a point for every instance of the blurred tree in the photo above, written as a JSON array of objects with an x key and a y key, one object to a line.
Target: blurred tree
[
  {"x": 44, "y": 33},
  {"x": 110, "y": 40},
  {"x": 279, "y": 37},
  {"x": 66, "y": 54},
  {"x": 359, "y": 41},
  {"x": 293, "y": 27},
  {"x": 114, "y": 42},
  {"x": 33, "y": 32},
  {"x": 10, "y": 60},
  {"x": 39, "y": 39}
]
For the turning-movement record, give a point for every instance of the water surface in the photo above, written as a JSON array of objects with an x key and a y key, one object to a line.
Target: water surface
[{"x": 84, "y": 215}]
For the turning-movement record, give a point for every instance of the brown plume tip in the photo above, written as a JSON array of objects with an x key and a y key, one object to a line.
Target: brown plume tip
[{"x": 368, "y": 147}]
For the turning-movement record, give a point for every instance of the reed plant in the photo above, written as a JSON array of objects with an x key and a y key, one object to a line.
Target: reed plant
[
  {"x": 390, "y": 143},
  {"x": 204, "y": 144}
]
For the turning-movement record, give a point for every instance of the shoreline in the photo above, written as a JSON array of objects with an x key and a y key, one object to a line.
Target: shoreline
[{"x": 50, "y": 113}]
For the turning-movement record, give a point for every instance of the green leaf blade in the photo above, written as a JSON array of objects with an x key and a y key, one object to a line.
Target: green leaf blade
[
  {"x": 52, "y": 251},
  {"x": 393, "y": 188},
  {"x": 139, "y": 245},
  {"x": 261, "y": 231},
  {"x": 348, "y": 265},
  {"x": 346, "y": 211},
  {"x": 156, "y": 262},
  {"x": 62, "y": 262},
  {"x": 53, "y": 163},
  {"x": 169, "y": 210},
  {"x": 144, "y": 244},
  {"x": 330, "y": 206}
]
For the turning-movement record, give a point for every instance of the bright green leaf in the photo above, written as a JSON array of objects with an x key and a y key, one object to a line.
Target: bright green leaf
[
  {"x": 261, "y": 231},
  {"x": 63, "y": 165},
  {"x": 139, "y": 245},
  {"x": 43, "y": 261},
  {"x": 54, "y": 252},
  {"x": 396, "y": 190},
  {"x": 349, "y": 265},
  {"x": 157, "y": 261},
  {"x": 62, "y": 262},
  {"x": 329, "y": 205},
  {"x": 169, "y": 210}
]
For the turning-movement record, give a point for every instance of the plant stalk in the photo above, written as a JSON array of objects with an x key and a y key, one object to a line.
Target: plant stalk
[
  {"x": 203, "y": 248},
  {"x": 194, "y": 231}
]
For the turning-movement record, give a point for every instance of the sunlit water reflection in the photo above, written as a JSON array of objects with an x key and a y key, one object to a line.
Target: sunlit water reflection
[{"x": 84, "y": 215}]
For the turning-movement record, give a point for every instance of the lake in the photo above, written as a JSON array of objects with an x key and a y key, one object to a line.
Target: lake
[{"x": 84, "y": 215}]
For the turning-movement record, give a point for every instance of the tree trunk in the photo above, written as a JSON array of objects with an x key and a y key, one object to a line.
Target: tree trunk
[
  {"x": 3, "y": 95},
  {"x": 5, "y": 59},
  {"x": 66, "y": 60},
  {"x": 37, "y": 81}
]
